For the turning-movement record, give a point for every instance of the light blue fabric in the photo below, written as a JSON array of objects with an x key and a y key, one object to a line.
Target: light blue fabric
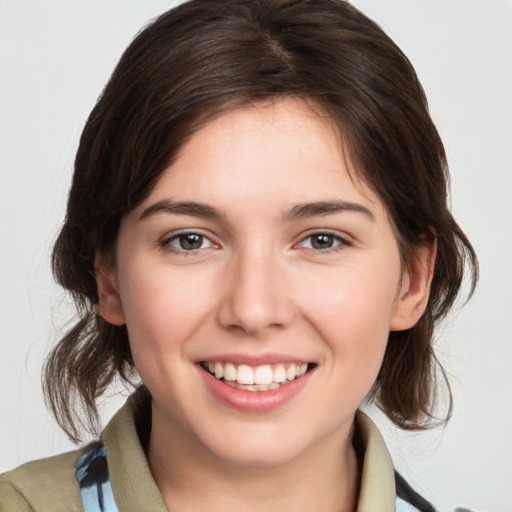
[
  {"x": 96, "y": 491},
  {"x": 404, "y": 506},
  {"x": 92, "y": 476}
]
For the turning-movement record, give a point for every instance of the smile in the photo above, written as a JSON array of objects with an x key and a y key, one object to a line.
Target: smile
[{"x": 255, "y": 378}]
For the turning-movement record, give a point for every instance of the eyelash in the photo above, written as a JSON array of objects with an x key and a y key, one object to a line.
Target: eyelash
[
  {"x": 341, "y": 243},
  {"x": 166, "y": 243}
]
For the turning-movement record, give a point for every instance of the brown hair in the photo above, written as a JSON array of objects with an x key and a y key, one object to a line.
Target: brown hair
[{"x": 200, "y": 59}]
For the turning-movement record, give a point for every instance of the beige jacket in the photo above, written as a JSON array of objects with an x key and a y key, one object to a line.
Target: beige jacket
[{"x": 49, "y": 485}]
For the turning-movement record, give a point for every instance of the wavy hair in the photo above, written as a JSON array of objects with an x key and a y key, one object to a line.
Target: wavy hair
[{"x": 201, "y": 59}]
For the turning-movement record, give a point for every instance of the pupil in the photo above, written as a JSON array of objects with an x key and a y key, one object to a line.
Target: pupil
[
  {"x": 322, "y": 241},
  {"x": 191, "y": 241}
]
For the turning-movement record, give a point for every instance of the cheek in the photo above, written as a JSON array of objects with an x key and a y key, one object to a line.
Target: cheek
[
  {"x": 352, "y": 313},
  {"x": 351, "y": 298},
  {"x": 163, "y": 309}
]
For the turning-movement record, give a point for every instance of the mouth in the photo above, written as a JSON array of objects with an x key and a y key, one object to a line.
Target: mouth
[{"x": 267, "y": 377}]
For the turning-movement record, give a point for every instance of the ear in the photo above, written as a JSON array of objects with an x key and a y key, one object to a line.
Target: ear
[
  {"x": 110, "y": 306},
  {"x": 414, "y": 290}
]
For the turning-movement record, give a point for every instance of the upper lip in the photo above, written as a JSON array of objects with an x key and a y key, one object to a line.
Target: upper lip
[{"x": 254, "y": 359}]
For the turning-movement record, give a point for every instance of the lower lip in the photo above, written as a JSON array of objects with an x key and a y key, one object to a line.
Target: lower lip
[{"x": 253, "y": 401}]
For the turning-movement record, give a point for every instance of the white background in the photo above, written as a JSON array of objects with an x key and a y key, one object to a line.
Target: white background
[{"x": 55, "y": 58}]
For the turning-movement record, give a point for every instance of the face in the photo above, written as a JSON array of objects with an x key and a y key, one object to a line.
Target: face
[{"x": 259, "y": 284}]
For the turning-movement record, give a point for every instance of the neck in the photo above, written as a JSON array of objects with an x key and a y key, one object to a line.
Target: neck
[{"x": 191, "y": 478}]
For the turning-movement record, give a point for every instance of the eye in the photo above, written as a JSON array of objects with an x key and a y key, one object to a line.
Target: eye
[
  {"x": 188, "y": 242},
  {"x": 323, "y": 241}
]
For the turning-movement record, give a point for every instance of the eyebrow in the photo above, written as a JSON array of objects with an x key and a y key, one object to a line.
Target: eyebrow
[
  {"x": 322, "y": 208},
  {"x": 183, "y": 208},
  {"x": 297, "y": 212}
]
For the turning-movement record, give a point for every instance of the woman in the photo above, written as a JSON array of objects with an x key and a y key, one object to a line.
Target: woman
[{"x": 258, "y": 228}]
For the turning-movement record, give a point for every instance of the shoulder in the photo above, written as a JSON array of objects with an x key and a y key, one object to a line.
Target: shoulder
[
  {"x": 382, "y": 487},
  {"x": 407, "y": 499},
  {"x": 51, "y": 484},
  {"x": 42, "y": 485}
]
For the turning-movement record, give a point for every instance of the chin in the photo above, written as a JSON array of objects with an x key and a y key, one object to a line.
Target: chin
[
  {"x": 261, "y": 455},
  {"x": 256, "y": 446}
]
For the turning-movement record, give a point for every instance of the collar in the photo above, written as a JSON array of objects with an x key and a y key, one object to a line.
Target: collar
[
  {"x": 132, "y": 483},
  {"x": 377, "y": 491},
  {"x": 134, "y": 488}
]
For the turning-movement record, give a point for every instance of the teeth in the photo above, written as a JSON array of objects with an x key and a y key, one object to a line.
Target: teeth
[
  {"x": 263, "y": 375},
  {"x": 254, "y": 387},
  {"x": 259, "y": 378},
  {"x": 219, "y": 370},
  {"x": 279, "y": 374},
  {"x": 230, "y": 371},
  {"x": 291, "y": 373},
  {"x": 245, "y": 374}
]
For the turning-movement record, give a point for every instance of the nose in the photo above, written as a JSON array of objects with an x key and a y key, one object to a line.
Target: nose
[{"x": 257, "y": 298}]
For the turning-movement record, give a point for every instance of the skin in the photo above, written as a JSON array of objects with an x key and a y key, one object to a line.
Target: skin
[{"x": 256, "y": 285}]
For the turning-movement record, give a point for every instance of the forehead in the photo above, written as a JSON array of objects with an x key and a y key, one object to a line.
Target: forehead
[{"x": 266, "y": 154}]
